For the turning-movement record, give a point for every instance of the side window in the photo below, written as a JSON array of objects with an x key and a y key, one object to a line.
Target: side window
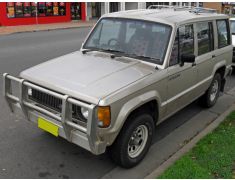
[
  {"x": 184, "y": 44},
  {"x": 205, "y": 37},
  {"x": 186, "y": 40},
  {"x": 175, "y": 52},
  {"x": 223, "y": 33}
]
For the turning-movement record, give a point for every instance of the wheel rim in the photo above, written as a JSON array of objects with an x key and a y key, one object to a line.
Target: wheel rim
[
  {"x": 137, "y": 141},
  {"x": 214, "y": 90}
]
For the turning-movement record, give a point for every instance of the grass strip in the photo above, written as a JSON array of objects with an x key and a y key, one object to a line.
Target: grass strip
[{"x": 212, "y": 157}]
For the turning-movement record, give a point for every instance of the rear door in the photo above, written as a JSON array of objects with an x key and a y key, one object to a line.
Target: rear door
[{"x": 205, "y": 52}]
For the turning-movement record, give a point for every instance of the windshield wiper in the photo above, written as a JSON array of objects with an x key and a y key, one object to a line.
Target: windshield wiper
[
  {"x": 146, "y": 58},
  {"x": 112, "y": 51},
  {"x": 89, "y": 50}
]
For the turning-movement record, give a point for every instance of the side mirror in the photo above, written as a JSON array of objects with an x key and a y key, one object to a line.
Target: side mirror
[{"x": 187, "y": 58}]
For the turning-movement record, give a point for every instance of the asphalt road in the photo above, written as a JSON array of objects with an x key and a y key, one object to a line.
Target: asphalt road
[{"x": 26, "y": 151}]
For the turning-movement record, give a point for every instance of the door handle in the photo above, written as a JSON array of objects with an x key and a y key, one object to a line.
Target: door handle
[{"x": 213, "y": 56}]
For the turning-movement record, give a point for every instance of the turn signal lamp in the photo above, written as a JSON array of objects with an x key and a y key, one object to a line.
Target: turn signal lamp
[{"x": 104, "y": 116}]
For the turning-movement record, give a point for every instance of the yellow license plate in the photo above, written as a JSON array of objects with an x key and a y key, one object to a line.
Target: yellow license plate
[{"x": 48, "y": 126}]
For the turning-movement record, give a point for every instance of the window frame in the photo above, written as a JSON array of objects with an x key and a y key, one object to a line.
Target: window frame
[
  {"x": 212, "y": 32},
  {"x": 178, "y": 39}
]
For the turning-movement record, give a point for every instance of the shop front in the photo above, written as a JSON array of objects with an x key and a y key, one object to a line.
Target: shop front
[{"x": 25, "y": 13}]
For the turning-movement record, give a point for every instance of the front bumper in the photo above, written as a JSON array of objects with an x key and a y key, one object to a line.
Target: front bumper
[{"x": 85, "y": 137}]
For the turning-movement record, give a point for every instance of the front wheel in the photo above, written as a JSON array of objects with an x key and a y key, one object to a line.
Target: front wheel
[
  {"x": 134, "y": 141},
  {"x": 210, "y": 97}
]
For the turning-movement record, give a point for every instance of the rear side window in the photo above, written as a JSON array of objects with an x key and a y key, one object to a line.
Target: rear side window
[
  {"x": 223, "y": 33},
  {"x": 205, "y": 37}
]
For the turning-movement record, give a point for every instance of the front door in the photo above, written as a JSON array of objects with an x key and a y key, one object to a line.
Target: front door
[{"x": 181, "y": 78}]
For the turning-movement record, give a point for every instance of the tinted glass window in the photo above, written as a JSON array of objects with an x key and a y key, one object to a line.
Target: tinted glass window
[
  {"x": 223, "y": 33},
  {"x": 205, "y": 37}
]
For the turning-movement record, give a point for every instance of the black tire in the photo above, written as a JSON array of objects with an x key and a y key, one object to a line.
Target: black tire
[
  {"x": 205, "y": 100},
  {"x": 119, "y": 150}
]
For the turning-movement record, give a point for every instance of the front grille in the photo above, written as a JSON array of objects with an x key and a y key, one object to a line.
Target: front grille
[
  {"x": 55, "y": 104},
  {"x": 46, "y": 100}
]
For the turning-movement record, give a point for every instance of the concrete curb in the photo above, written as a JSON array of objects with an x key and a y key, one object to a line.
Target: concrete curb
[{"x": 189, "y": 145}]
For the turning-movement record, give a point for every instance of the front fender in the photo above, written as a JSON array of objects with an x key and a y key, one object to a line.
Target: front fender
[{"x": 129, "y": 107}]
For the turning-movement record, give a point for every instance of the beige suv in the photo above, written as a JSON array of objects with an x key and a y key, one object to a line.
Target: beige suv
[{"x": 135, "y": 69}]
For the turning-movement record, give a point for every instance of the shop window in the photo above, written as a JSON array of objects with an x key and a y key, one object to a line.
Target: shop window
[
  {"x": 34, "y": 8},
  {"x": 41, "y": 9},
  {"x": 62, "y": 9},
  {"x": 19, "y": 9},
  {"x": 27, "y": 9},
  {"x": 49, "y": 9},
  {"x": 56, "y": 8},
  {"x": 10, "y": 10}
]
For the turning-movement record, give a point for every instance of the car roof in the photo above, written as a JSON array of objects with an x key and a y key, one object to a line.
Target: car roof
[{"x": 167, "y": 16}]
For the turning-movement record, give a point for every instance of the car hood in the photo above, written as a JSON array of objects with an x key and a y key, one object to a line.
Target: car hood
[{"x": 89, "y": 77}]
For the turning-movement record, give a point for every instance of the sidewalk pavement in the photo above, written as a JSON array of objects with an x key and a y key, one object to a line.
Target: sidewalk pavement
[{"x": 5, "y": 30}]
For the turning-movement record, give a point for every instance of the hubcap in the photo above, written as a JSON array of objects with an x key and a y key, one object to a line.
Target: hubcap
[
  {"x": 137, "y": 141},
  {"x": 214, "y": 90}
]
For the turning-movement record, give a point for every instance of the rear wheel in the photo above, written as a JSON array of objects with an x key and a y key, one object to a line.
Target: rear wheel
[
  {"x": 210, "y": 97},
  {"x": 134, "y": 141}
]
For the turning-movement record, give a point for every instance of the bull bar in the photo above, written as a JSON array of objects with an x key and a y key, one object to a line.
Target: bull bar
[{"x": 86, "y": 137}]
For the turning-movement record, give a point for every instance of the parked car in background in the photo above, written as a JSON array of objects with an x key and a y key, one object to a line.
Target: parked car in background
[
  {"x": 135, "y": 69},
  {"x": 232, "y": 24}
]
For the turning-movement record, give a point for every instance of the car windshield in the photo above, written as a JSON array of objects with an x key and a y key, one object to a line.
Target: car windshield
[
  {"x": 143, "y": 40},
  {"x": 232, "y": 26}
]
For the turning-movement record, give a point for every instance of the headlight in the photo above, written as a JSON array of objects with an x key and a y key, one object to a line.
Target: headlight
[
  {"x": 30, "y": 92},
  {"x": 84, "y": 112}
]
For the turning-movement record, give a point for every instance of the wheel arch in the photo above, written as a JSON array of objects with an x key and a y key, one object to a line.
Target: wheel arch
[
  {"x": 147, "y": 100},
  {"x": 221, "y": 69}
]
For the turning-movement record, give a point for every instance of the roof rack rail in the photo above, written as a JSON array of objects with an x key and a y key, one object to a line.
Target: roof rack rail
[
  {"x": 203, "y": 10},
  {"x": 175, "y": 8},
  {"x": 183, "y": 8},
  {"x": 160, "y": 7}
]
